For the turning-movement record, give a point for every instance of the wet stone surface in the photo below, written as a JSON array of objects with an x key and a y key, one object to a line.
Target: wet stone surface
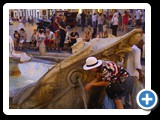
[{"x": 31, "y": 72}]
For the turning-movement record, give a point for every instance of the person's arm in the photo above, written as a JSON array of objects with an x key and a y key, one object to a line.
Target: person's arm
[
  {"x": 32, "y": 37},
  {"x": 25, "y": 37},
  {"x": 56, "y": 21},
  {"x": 89, "y": 85},
  {"x": 59, "y": 25},
  {"x": 96, "y": 83},
  {"x": 74, "y": 37},
  {"x": 125, "y": 60},
  {"x": 137, "y": 58},
  {"x": 62, "y": 28},
  {"x": 70, "y": 35},
  {"x": 141, "y": 76},
  {"x": 101, "y": 83}
]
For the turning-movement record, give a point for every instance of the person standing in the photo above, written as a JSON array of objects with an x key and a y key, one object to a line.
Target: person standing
[
  {"x": 133, "y": 65},
  {"x": 62, "y": 30},
  {"x": 138, "y": 16},
  {"x": 100, "y": 23},
  {"x": 143, "y": 21},
  {"x": 83, "y": 20},
  {"x": 125, "y": 20},
  {"x": 89, "y": 19},
  {"x": 94, "y": 25},
  {"x": 119, "y": 21},
  {"x": 20, "y": 24},
  {"x": 56, "y": 21},
  {"x": 24, "y": 21},
  {"x": 114, "y": 24}
]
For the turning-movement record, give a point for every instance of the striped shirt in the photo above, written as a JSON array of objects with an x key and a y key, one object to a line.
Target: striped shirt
[{"x": 112, "y": 71}]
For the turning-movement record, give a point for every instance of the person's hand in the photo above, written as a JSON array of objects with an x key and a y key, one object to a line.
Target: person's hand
[
  {"x": 65, "y": 30},
  {"x": 141, "y": 78},
  {"x": 88, "y": 87},
  {"x": 69, "y": 41}
]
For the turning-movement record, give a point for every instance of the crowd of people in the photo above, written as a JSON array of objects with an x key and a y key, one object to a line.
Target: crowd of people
[
  {"x": 114, "y": 20},
  {"x": 57, "y": 32},
  {"x": 53, "y": 36}
]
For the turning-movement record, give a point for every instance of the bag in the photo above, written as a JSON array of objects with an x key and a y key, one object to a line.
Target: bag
[
  {"x": 111, "y": 25},
  {"x": 114, "y": 89}
]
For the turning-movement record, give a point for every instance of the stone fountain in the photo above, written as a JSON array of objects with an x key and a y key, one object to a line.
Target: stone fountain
[
  {"x": 62, "y": 86},
  {"x": 15, "y": 58}
]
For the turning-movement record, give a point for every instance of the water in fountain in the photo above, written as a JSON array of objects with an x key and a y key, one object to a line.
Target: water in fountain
[{"x": 31, "y": 71}]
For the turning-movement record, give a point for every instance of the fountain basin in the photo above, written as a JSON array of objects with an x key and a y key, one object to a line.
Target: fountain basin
[
  {"x": 31, "y": 72},
  {"x": 13, "y": 66}
]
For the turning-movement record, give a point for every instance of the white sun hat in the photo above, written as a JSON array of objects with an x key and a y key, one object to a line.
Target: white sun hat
[{"x": 92, "y": 62}]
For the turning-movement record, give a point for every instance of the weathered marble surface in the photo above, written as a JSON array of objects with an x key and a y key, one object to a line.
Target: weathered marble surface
[
  {"x": 61, "y": 87},
  {"x": 13, "y": 66}
]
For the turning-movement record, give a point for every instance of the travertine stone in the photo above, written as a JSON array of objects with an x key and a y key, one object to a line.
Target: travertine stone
[
  {"x": 13, "y": 66},
  {"x": 56, "y": 88},
  {"x": 42, "y": 49}
]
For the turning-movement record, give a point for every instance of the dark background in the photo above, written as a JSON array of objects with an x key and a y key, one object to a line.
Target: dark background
[{"x": 154, "y": 58}]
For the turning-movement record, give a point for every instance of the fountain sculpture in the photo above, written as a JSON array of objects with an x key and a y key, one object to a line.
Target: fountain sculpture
[
  {"x": 15, "y": 58},
  {"x": 62, "y": 86}
]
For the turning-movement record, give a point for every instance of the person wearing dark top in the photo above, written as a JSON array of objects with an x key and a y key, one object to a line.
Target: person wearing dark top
[
  {"x": 56, "y": 20},
  {"x": 72, "y": 37},
  {"x": 83, "y": 19},
  {"x": 62, "y": 30},
  {"x": 89, "y": 19}
]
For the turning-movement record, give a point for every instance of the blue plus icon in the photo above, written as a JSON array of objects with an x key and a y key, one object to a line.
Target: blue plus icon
[{"x": 147, "y": 99}]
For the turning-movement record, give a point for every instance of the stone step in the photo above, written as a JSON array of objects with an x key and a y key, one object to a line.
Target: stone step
[
  {"x": 53, "y": 54},
  {"x": 51, "y": 58}
]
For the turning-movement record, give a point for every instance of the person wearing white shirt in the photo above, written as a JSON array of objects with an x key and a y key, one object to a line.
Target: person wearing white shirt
[
  {"x": 138, "y": 18},
  {"x": 40, "y": 38},
  {"x": 49, "y": 38},
  {"x": 133, "y": 62},
  {"x": 114, "y": 22},
  {"x": 94, "y": 18}
]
